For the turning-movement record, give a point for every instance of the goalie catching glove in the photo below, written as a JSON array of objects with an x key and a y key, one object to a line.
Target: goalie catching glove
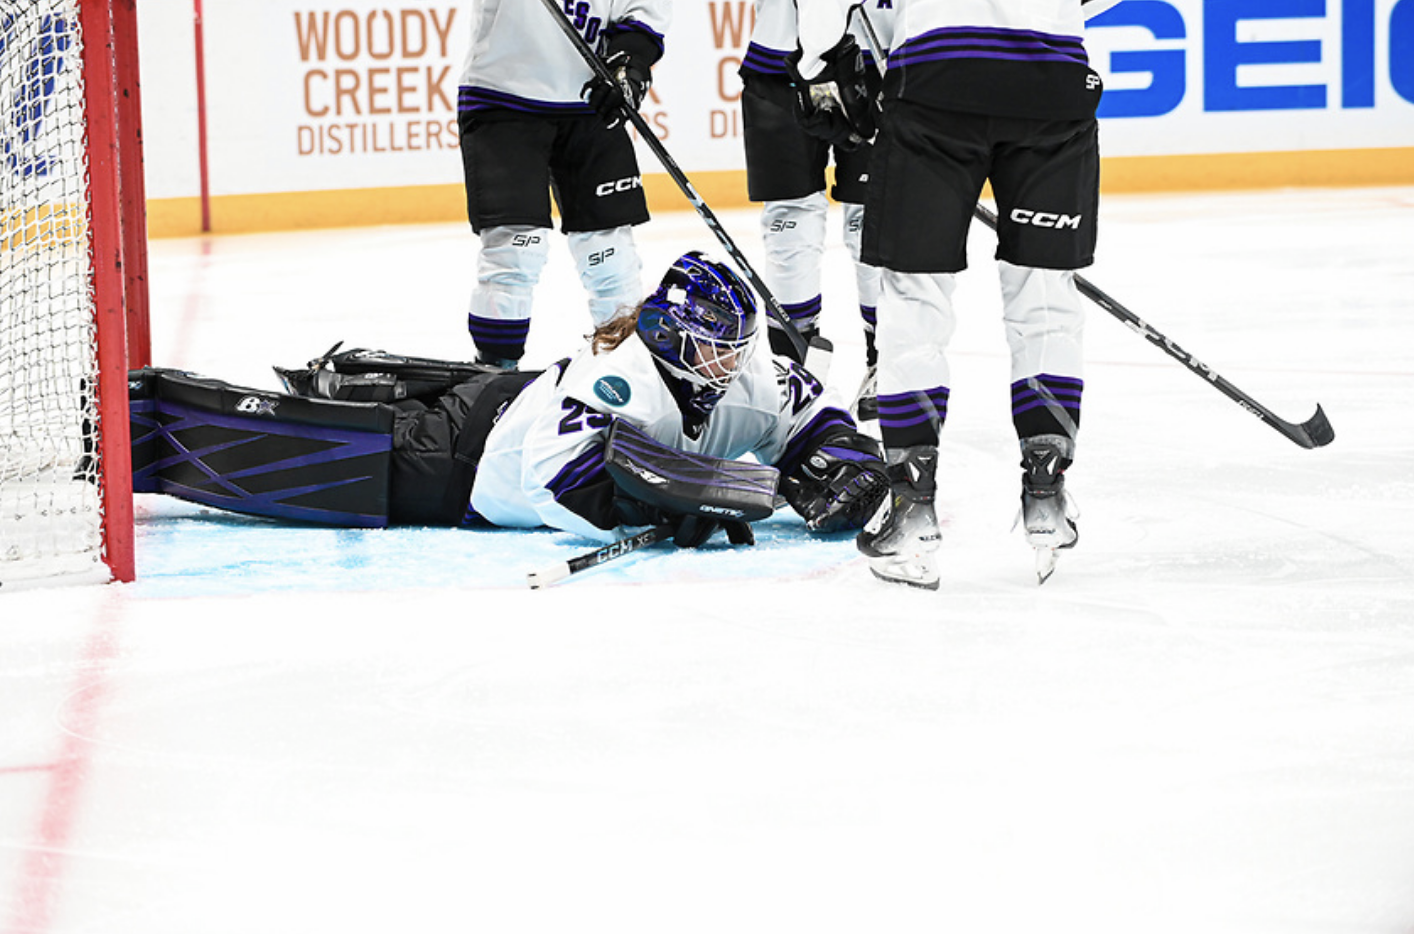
[
  {"x": 840, "y": 484},
  {"x": 835, "y": 105}
]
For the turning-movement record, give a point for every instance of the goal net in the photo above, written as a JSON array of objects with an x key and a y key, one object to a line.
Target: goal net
[{"x": 62, "y": 516}]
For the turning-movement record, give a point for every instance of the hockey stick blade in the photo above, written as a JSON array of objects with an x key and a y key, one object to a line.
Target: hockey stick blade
[
  {"x": 1316, "y": 430},
  {"x": 554, "y": 573}
]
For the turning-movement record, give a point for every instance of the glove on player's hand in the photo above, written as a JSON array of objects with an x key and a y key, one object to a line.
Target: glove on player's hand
[
  {"x": 632, "y": 78},
  {"x": 839, "y": 485},
  {"x": 836, "y": 105},
  {"x": 693, "y": 531},
  {"x": 689, "y": 531}
]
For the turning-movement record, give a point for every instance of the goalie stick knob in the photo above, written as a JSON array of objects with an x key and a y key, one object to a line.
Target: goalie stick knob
[{"x": 546, "y": 576}]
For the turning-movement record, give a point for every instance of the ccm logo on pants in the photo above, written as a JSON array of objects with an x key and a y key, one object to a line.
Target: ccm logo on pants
[
  {"x": 623, "y": 184},
  {"x": 1046, "y": 219}
]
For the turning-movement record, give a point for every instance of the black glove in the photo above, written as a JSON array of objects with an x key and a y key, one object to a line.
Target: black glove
[
  {"x": 689, "y": 529},
  {"x": 693, "y": 531},
  {"x": 840, "y": 484},
  {"x": 632, "y": 78},
  {"x": 836, "y": 105}
]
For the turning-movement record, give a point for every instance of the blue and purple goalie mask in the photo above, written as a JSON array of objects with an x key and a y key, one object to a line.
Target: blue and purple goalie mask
[{"x": 701, "y": 326}]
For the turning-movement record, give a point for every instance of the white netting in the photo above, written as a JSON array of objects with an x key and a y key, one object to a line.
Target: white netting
[{"x": 50, "y": 497}]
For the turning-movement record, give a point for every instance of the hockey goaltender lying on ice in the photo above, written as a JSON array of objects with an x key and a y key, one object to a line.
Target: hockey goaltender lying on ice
[{"x": 643, "y": 427}]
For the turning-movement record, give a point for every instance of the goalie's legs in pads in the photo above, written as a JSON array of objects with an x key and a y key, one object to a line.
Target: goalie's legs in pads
[
  {"x": 313, "y": 460},
  {"x": 259, "y": 453}
]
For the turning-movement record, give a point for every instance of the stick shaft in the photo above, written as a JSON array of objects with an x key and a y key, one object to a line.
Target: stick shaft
[
  {"x": 592, "y": 559},
  {"x": 773, "y": 307}
]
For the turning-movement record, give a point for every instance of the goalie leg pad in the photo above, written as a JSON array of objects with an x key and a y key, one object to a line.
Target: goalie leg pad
[{"x": 260, "y": 453}]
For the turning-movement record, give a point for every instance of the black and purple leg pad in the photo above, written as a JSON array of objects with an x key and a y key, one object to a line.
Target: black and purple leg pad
[{"x": 260, "y": 453}]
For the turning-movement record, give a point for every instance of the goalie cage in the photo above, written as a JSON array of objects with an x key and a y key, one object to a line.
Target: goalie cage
[{"x": 72, "y": 288}]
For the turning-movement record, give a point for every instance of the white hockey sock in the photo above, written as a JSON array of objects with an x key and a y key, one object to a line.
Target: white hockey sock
[
  {"x": 793, "y": 236},
  {"x": 610, "y": 269},
  {"x": 507, "y": 269}
]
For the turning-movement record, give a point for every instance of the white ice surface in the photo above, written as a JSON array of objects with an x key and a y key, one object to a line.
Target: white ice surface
[{"x": 1204, "y": 722}]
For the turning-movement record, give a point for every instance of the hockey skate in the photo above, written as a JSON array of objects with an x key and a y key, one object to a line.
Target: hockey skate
[
  {"x": 498, "y": 363},
  {"x": 866, "y": 401},
  {"x": 901, "y": 540},
  {"x": 301, "y": 382},
  {"x": 318, "y": 381},
  {"x": 1048, "y": 514}
]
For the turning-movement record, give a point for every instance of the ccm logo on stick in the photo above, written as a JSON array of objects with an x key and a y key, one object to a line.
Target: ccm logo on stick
[{"x": 1046, "y": 219}]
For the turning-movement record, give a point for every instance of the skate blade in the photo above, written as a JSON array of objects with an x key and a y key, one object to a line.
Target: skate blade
[
  {"x": 922, "y": 574},
  {"x": 1045, "y": 564}
]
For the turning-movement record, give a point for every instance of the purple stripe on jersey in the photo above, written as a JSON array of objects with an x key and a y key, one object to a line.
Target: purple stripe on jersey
[
  {"x": 807, "y": 439},
  {"x": 633, "y": 25},
  {"x": 764, "y": 61},
  {"x": 583, "y": 470},
  {"x": 909, "y": 409},
  {"x": 997, "y": 44},
  {"x": 473, "y": 99}
]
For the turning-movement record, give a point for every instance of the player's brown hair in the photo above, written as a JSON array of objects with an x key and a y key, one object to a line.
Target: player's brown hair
[{"x": 614, "y": 332}]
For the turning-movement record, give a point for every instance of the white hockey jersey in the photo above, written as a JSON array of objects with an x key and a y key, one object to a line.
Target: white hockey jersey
[
  {"x": 549, "y": 443},
  {"x": 519, "y": 60},
  {"x": 774, "y": 33},
  {"x": 1010, "y": 58}
]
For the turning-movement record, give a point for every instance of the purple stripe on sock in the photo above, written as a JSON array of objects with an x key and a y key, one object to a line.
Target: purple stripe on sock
[{"x": 906, "y": 410}]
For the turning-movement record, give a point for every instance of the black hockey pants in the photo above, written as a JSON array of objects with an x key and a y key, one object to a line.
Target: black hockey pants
[{"x": 436, "y": 448}]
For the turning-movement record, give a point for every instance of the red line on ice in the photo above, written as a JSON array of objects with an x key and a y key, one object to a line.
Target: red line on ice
[{"x": 42, "y": 867}]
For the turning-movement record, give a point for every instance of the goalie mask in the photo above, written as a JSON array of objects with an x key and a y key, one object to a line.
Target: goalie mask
[{"x": 700, "y": 326}]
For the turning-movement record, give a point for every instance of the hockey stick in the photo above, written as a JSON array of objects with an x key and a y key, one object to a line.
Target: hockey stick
[
  {"x": 1315, "y": 432},
  {"x": 816, "y": 356},
  {"x": 557, "y": 572}
]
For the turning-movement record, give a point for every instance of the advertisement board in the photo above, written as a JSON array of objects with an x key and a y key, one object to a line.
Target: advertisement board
[{"x": 346, "y": 108}]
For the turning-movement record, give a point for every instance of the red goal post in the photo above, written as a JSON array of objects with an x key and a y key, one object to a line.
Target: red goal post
[{"x": 73, "y": 297}]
